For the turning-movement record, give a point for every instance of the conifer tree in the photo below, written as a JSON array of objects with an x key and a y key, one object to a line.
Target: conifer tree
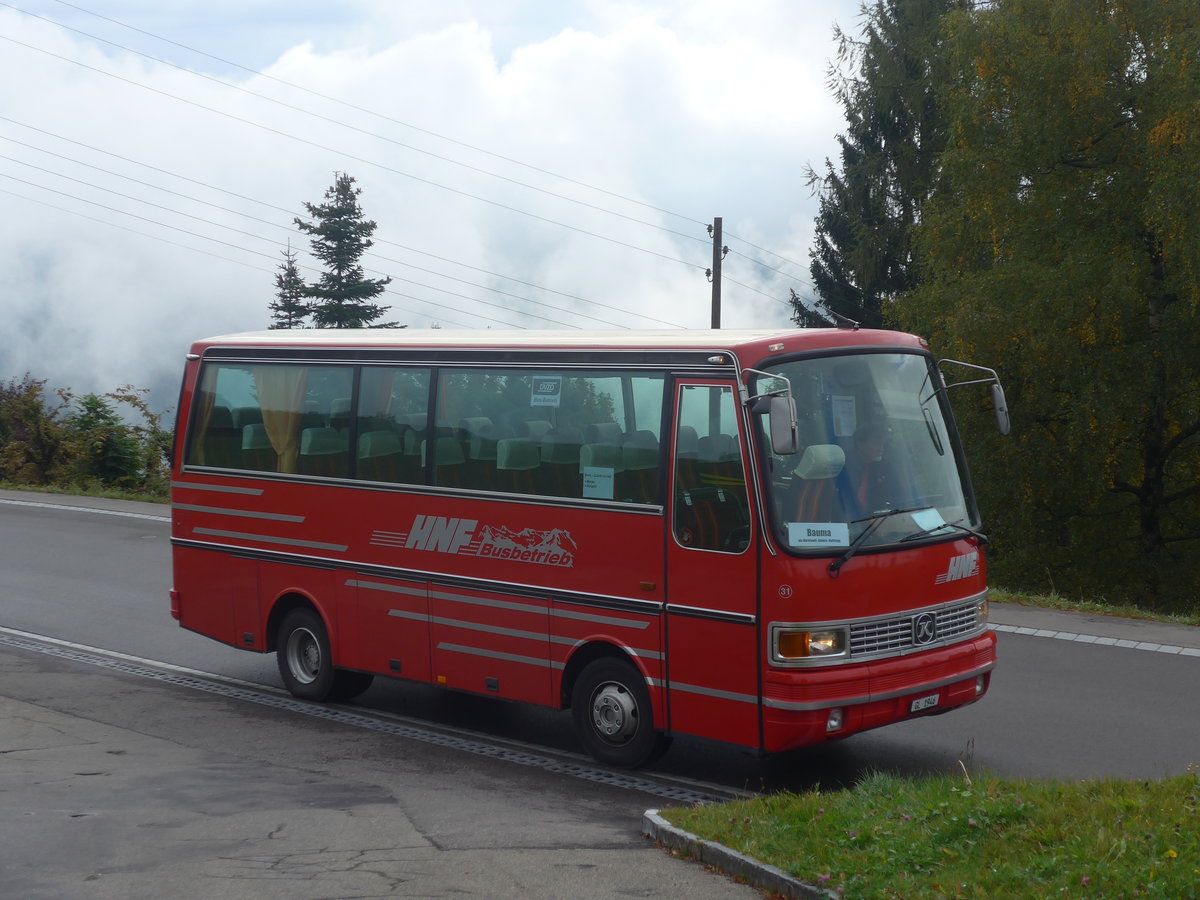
[
  {"x": 862, "y": 255},
  {"x": 289, "y": 309},
  {"x": 342, "y": 297}
]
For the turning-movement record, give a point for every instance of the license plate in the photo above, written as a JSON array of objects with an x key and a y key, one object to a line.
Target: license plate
[{"x": 924, "y": 703}]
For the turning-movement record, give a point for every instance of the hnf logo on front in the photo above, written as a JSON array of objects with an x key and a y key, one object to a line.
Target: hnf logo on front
[{"x": 960, "y": 567}]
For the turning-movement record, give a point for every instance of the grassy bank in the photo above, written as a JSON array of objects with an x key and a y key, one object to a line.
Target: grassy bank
[
  {"x": 939, "y": 838},
  {"x": 88, "y": 491},
  {"x": 1096, "y": 606}
]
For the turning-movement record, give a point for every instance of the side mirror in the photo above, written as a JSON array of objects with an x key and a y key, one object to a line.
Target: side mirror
[
  {"x": 998, "y": 401},
  {"x": 781, "y": 418},
  {"x": 1001, "y": 405}
]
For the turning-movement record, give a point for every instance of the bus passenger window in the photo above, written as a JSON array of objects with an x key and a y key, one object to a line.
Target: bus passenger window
[
  {"x": 710, "y": 503},
  {"x": 272, "y": 418},
  {"x": 393, "y": 405}
]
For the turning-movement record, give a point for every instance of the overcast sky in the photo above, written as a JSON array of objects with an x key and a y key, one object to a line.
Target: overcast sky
[{"x": 531, "y": 164}]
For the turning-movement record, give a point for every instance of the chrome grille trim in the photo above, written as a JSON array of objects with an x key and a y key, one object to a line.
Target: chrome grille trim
[
  {"x": 887, "y": 637},
  {"x": 892, "y": 635}
]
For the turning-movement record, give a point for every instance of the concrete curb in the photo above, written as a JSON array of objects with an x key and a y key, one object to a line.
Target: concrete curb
[{"x": 735, "y": 865}]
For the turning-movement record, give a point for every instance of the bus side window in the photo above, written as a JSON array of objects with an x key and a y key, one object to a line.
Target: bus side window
[
  {"x": 393, "y": 406},
  {"x": 710, "y": 502}
]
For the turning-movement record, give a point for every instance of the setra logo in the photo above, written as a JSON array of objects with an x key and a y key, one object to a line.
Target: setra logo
[{"x": 960, "y": 567}]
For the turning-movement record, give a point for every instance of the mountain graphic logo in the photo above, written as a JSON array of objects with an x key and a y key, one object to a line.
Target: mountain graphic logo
[{"x": 554, "y": 547}]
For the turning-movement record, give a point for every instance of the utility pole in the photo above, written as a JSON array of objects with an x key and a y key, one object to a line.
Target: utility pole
[{"x": 714, "y": 273}]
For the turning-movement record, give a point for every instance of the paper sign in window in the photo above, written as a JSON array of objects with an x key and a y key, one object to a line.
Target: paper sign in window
[{"x": 598, "y": 482}]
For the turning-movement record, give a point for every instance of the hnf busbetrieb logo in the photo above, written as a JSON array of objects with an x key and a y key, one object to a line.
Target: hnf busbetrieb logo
[{"x": 440, "y": 534}]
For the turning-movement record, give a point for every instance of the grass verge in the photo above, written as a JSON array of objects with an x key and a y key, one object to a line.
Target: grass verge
[
  {"x": 1096, "y": 607},
  {"x": 939, "y": 838},
  {"x": 87, "y": 491}
]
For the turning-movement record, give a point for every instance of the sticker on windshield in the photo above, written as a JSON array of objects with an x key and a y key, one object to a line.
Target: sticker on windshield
[
  {"x": 818, "y": 534},
  {"x": 928, "y": 519}
]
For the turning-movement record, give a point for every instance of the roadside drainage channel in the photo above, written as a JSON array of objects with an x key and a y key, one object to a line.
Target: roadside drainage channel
[{"x": 128, "y": 666}]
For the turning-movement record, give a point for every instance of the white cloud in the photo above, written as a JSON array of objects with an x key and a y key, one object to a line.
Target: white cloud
[{"x": 698, "y": 108}]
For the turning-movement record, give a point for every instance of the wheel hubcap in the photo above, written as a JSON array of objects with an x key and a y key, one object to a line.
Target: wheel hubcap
[
  {"x": 304, "y": 655},
  {"x": 614, "y": 713}
]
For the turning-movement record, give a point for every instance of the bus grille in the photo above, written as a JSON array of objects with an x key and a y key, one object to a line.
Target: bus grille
[{"x": 889, "y": 636}]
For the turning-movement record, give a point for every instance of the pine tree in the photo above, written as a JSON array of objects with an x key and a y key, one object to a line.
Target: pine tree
[
  {"x": 289, "y": 309},
  {"x": 862, "y": 255},
  {"x": 340, "y": 235}
]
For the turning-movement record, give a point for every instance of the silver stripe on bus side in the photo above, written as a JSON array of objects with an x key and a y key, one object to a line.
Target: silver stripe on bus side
[
  {"x": 871, "y": 698},
  {"x": 490, "y": 629},
  {"x": 405, "y": 614},
  {"x": 602, "y": 620},
  {"x": 243, "y": 513},
  {"x": 719, "y": 615},
  {"x": 507, "y": 657},
  {"x": 219, "y": 488},
  {"x": 705, "y": 692},
  {"x": 482, "y": 601},
  {"x": 271, "y": 539},
  {"x": 652, "y": 608},
  {"x": 390, "y": 588}
]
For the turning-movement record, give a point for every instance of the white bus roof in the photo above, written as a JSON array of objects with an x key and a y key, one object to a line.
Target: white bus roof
[{"x": 667, "y": 339}]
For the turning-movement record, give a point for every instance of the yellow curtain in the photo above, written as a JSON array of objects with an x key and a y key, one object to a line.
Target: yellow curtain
[{"x": 281, "y": 395}]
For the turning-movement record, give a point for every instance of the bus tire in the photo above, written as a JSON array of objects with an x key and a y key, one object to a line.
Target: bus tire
[
  {"x": 305, "y": 663},
  {"x": 613, "y": 716},
  {"x": 348, "y": 684}
]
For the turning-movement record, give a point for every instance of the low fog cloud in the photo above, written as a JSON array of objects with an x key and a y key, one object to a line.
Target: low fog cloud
[{"x": 147, "y": 206}]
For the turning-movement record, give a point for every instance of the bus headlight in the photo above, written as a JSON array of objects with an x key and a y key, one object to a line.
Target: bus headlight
[{"x": 794, "y": 644}]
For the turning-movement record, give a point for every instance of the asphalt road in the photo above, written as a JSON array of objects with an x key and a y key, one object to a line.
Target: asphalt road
[{"x": 113, "y": 785}]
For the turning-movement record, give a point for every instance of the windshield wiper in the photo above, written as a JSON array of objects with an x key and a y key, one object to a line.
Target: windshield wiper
[
  {"x": 875, "y": 520},
  {"x": 983, "y": 538}
]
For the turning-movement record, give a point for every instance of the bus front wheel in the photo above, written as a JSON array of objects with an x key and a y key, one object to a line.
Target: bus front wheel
[
  {"x": 611, "y": 707},
  {"x": 305, "y": 663}
]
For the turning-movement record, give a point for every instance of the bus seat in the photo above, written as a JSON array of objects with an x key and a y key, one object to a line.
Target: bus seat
[
  {"x": 323, "y": 451},
  {"x": 602, "y": 433},
  {"x": 517, "y": 460},
  {"x": 718, "y": 448},
  {"x": 817, "y": 499},
  {"x": 638, "y": 480},
  {"x": 821, "y": 461},
  {"x": 339, "y": 413},
  {"x": 448, "y": 460},
  {"x": 535, "y": 429},
  {"x": 246, "y": 415},
  {"x": 220, "y": 439},
  {"x": 603, "y": 456},
  {"x": 480, "y": 467},
  {"x": 560, "y": 462},
  {"x": 687, "y": 443},
  {"x": 473, "y": 425},
  {"x": 257, "y": 452},
  {"x": 380, "y": 454}
]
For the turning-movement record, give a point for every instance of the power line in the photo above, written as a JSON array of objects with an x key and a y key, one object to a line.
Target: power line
[
  {"x": 160, "y": 238},
  {"x": 312, "y": 113},
  {"x": 241, "y": 248},
  {"x": 382, "y": 166},
  {"x": 382, "y": 116},
  {"x": 285, "y": 227}
]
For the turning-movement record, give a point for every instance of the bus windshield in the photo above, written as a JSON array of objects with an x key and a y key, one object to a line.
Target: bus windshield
[{"x": 876, "y": 463}]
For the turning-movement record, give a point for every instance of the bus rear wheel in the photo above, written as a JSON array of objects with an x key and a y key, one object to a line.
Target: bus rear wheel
[
  {"x": 613, "y": 716},
  {"x": 305, "y": 663}
]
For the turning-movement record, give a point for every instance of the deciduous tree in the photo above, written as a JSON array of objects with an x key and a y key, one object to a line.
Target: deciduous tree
[{"x": 1064, "y": 248}]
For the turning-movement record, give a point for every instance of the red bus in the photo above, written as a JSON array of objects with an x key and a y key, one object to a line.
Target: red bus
[{"x": 763, "y": 538}]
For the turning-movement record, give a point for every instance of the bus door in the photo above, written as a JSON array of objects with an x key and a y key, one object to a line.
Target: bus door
[{"x": 712, "y": 625}]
